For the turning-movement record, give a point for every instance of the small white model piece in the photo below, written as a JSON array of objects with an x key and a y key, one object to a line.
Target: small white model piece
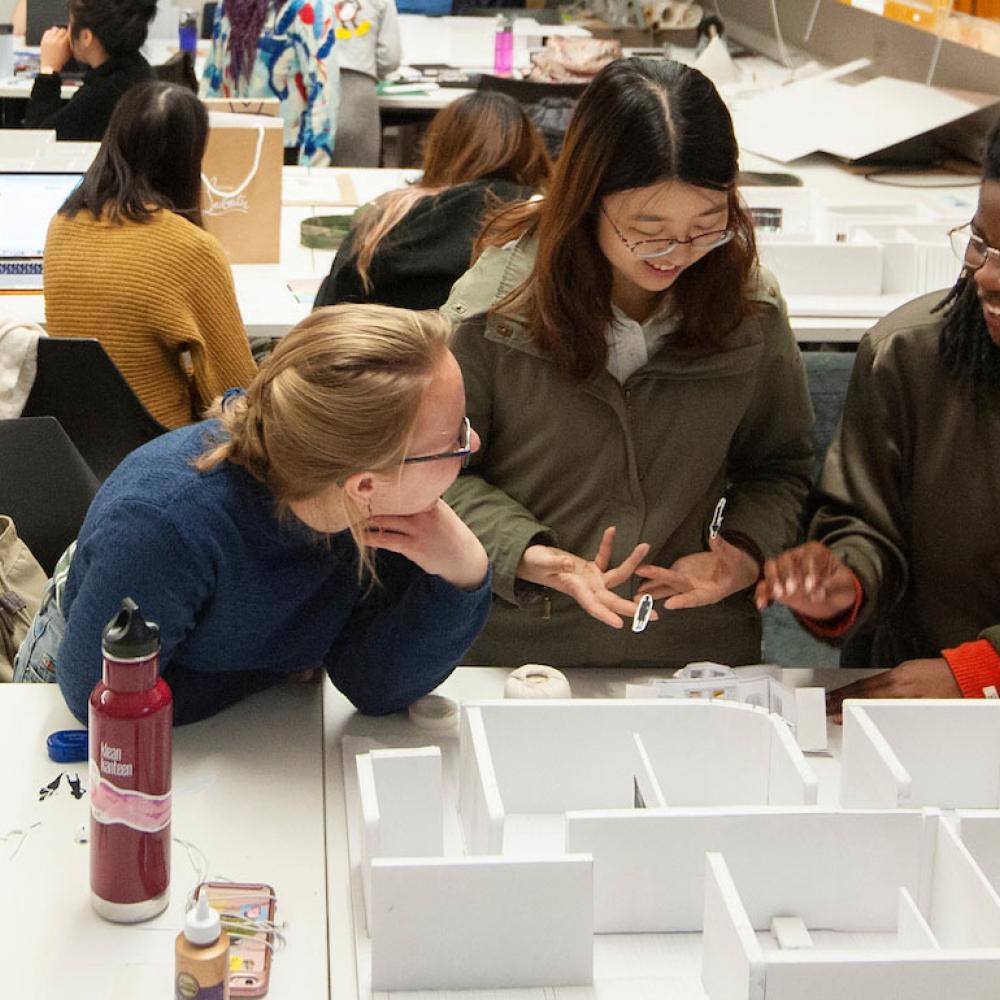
[
  {"x": 904, "y": 913},
  {"x": 434, "y": 712},
  {"x": 790, "y": 932},
  {"x": 915, "y": 752},
  {"x": 536, "y": 680},
  {"x": 802, "y": 708}
]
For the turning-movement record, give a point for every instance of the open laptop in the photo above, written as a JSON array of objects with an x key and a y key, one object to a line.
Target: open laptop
[{"x": 27, "y": 203}]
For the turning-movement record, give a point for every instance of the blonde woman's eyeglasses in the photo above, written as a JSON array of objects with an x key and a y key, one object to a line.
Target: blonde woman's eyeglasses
[{"x": 463, "y": 451}]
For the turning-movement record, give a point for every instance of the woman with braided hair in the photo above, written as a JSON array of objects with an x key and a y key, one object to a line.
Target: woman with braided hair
[
  {"x": 283, "y": 49},
  {"x": 301, "y": 527},
  {"x": 905, "y": 541}
]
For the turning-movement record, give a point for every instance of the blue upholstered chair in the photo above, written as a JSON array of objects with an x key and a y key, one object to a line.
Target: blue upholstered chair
[{"x": 786, "y": 642}]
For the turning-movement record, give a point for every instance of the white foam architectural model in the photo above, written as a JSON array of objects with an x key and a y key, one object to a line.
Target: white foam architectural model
[
  {"x": 545, "y": 788},
  {"x": 874, "y": 905},
  {"x": 803, "y": 708},
  {"x": 980, "y": 832},
  {"x": 820, "y": 249},
  {"x": 670, "y": 815},
  {"x": 921, "y": 752}
]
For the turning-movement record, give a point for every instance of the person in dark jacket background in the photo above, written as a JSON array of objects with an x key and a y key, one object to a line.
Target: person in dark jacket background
[
  {"x": 104, "y": 35},
  {"x": 409, "y": 247}
]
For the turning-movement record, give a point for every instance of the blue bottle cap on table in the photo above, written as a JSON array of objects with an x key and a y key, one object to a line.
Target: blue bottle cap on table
[{"x": 68, "y": 745}]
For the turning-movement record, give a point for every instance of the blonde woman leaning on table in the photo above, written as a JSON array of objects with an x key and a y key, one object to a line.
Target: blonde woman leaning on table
[
  {"x": 627, "y": 364},
  {"x": 905, "y": 543},
  {"x": 301, "y": 527},
  {"x": 127, "y": 262}
]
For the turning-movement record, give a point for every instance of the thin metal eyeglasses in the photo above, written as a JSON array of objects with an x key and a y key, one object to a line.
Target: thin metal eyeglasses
[
  {"x": 972, "y": 250},
  {"x": 703, "y": 241},
  {"x": 463, "y": 451}
]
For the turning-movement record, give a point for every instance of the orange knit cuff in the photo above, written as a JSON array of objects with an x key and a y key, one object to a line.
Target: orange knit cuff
[
  {"x": 976, "y": 666},
  {"x": 833, "y": 628}
]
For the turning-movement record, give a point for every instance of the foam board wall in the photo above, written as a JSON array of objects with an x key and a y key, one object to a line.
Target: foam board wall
[
  {"x": 980, "y": 832},
  {"x": 481, "y": 923},
  {"x": 947, "y": 922},
  {"x": 558, "y": 756},
  {"x": 835, "y": 870},
  {"x": 479, "y": 805},
  {"x": 410, "y": 805},
  {"x": 950, "y": 751},
  {"x": 732, "y": 962},
  {"x": 880, "y": 975},
  {"x": 964, "y": 908},
  {"x": 871, "y": 775},
  {"x": 726, "y": 759}
]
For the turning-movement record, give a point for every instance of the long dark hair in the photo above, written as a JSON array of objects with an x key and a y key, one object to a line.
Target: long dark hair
[
  {"x": 967, "y": 349},
  {"x": 150, "y": 158},
  {"x": 482, "y": 135},
  {"x": 119, "y": 25},
  {"x": 638, "y": 123}
]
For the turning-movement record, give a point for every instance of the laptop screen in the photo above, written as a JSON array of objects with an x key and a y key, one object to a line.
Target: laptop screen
[{"x": 27, "y": 203}]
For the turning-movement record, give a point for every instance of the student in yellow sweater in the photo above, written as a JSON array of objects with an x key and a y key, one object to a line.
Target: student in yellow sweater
[{"x": 127, "y": 262}]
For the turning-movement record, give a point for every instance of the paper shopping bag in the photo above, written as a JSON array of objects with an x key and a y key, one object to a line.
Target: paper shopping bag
[
  {"x": 241, "y": 185},
  {"x": 269, "y": 106}
]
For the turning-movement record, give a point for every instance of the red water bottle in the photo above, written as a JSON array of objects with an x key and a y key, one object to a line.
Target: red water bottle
[{"x": 131, "y": 720}]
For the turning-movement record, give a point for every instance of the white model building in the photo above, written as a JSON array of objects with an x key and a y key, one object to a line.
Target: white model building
[{"x": 662, "y": 816}]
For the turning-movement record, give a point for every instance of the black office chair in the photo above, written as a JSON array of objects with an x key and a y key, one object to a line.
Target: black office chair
[
  {"x": 179, "y": 70},
  {"x": 78, "y": 384},
  {"x": 549, "y": 105},
  {"x": 46, "y": 486},
  {"x": 529, "y": 91}
]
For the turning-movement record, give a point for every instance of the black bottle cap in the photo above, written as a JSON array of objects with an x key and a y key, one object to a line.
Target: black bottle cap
[{"x": 128, "y": 636}]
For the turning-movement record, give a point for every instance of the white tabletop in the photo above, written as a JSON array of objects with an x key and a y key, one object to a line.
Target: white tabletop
[
  {"x": 247, "y": 791},
  {"x": 270, "y": 307}
]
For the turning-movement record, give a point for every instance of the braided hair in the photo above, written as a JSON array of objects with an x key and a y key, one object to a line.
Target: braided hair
[{"x": 967, "y": 349}]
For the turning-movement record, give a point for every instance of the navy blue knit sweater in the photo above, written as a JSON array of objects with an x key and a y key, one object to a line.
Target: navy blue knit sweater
[{"x": 233, "y": 588}]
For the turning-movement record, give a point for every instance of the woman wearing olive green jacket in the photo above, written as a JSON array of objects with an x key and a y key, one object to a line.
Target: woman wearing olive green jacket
[{"x": 626, "y": 366}]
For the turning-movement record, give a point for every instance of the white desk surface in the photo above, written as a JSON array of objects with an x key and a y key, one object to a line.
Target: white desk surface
[
  {"x": 675, "y": 957},
  {"x": 270, "y": 309},
  {"x": 247, "y": 790},
  {"x": 19, "y": 88}
]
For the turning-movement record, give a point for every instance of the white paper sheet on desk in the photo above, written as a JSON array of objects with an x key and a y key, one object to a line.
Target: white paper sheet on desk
[{"x": 851, "y": 122}]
